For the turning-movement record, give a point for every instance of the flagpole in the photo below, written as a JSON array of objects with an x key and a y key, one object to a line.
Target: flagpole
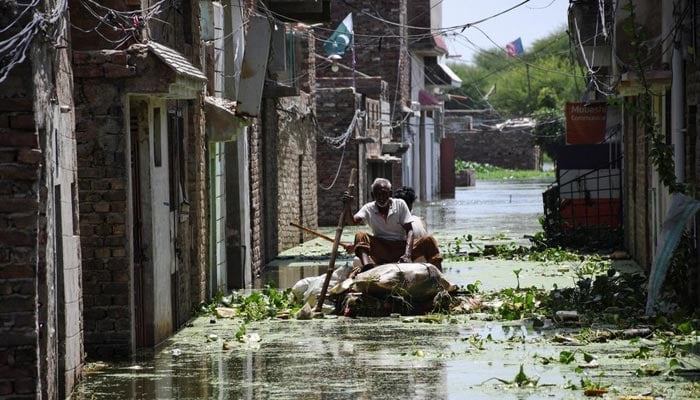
[{"x": 352, "y": 49}]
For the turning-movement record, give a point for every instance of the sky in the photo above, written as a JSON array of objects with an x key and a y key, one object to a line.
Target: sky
[{"x": 531, "y": 21}]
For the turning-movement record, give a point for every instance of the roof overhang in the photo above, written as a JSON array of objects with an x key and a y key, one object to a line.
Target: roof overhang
[
  {"x": 223, "y": 125},
  {"x": 189, "y": 79},
  {"x": 169, "y": 74},
  {"x": 438, "y": 74},
  {"x": 307, "y": 11},
  {"x": 432, "y": 46},
  {"x": 631, "y": 84}
]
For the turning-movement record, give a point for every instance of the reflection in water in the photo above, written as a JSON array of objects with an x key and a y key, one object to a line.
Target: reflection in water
[
  {"x": 338, "y": 359},
  {"x": 348, "y": 358},
  {"x": 489, "y": 208},
  {"x": 324, "y": 359}
]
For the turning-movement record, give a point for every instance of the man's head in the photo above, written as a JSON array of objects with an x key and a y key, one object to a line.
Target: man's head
[
  {"x": 381, "y": 192},
  {"x": 406, "y": 194}
]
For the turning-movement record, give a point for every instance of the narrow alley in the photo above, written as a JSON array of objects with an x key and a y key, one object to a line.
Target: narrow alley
[
  {"x": 213, "y": 199},
  {"x": 448, "y": 356}
]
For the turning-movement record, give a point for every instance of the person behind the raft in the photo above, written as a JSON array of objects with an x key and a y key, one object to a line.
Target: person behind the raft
[{"x": 392, "y": 239}]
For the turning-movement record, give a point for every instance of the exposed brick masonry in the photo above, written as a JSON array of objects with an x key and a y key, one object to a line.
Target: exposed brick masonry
[
  {"x": 513, "y": 149},
  {"x": 20, "y": 163},
  {"x": 338, "y": 108},
  {"x": 103, "y": 201}
]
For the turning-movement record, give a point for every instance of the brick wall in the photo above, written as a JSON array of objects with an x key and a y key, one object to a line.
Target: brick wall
[
  {"x": 19, "y": 239},
  {"x": 41, "y": 352},
  {"x": 198, "y": 243},
  {"x": 513, "y": 149},
  {"x": 289, "y": 171},
  {"x": 387, "y": 57},
  {"x": 102, "y": 156},
  {"x": 103, "y": 79},
  {"x": 256, "y": 201},
  {"x": 335, "y": 109},
  {"x": 40, "y": 304}
]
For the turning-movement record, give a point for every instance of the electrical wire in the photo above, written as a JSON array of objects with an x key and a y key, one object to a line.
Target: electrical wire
[
  {"x": 338, "y": 142},
  {"x": 13, "y": 49}
]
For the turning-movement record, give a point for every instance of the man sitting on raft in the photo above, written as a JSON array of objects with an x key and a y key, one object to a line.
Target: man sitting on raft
[{"x": 392, "y": 238}]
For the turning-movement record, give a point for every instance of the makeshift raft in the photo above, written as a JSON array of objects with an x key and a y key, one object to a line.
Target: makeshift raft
[{"x": 407, "y": 289}]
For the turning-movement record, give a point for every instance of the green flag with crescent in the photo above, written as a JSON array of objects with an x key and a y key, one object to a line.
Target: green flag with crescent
[{"x": 340, "y": 39}]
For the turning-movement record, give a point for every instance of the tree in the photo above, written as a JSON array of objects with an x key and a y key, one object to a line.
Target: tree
[{"x": 519, "y": 81}]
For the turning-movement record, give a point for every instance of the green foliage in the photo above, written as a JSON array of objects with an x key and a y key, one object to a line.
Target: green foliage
[
  {"x": 262, "y": 304},
  {"x": 567, "y": 357},
  {"x": 518, "y": 82},
  {"x": 643, "y": 353},
  {"x": 461, "y": 249},
  {"x": 550, "y": 129},
  {"x": 521, "y": 379},
  {"x": 594, "y": 295},
  {"x": 489, "y": 172},
  {"x": 240, "y": 333},
  {"x": 258, "y": 305},
  {"x": 518, "y": 303}
]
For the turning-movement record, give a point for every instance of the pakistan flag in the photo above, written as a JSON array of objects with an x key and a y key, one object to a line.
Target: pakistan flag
[{"x": 340, "y": 39}]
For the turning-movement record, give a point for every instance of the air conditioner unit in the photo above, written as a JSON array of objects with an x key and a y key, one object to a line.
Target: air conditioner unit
[{"x": 284, "y": 63}]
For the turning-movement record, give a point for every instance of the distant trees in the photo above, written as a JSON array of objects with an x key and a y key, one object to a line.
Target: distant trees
[
  {"x": 536, "y": 84},
  {"x": 512, "y": 86}
]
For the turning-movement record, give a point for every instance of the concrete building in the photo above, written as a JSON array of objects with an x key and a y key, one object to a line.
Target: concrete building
[{"x": 430, "y": 78}]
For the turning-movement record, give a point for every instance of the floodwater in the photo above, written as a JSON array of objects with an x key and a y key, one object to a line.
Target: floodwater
[
  {"x": 489, "y": 208},
  {"x": 461, "y": 357}
]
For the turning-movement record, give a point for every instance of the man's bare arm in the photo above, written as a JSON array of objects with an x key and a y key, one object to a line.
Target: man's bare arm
[
  {"x": 349, "y": 216},
  {"x": 407, "y": 256}
]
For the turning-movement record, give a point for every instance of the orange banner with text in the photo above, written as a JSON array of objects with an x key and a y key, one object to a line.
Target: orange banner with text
[{"x": 585, "y": 123}]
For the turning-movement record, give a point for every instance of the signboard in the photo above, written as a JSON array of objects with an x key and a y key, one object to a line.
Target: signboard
[{"x": 585, "y": 123}]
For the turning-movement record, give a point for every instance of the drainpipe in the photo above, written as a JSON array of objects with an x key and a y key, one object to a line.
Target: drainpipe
[{"x": 677, "y": 131}]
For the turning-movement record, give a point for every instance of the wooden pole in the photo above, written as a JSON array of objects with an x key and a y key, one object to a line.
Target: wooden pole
[
  {"x": 336, "y": 242},
  {"x": 319, "y": 234}
]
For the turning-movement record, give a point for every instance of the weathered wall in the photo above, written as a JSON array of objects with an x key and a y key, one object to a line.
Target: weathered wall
[
  {"x": 636, "y": 189},
  {"x": 104, "y": 81},
  {"x": 387, "y": 57},
  {"x": 256, "y": 200},
  {"x": 514, "y": 149},
  {"x": 290, "y": 171},
  {"x": 283, "y": 161},
  {"x": 102, "y": 155},
  {"x": 197, "y": 189},
  {"x": 19, "y": 240},
  {"x": 41, "y": 354},
  {"x": 336, "y": 108}
]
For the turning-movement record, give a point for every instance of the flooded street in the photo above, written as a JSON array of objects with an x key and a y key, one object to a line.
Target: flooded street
[
  {"x": 487, "y": 209},
  {"x": 466, "y": 356}
]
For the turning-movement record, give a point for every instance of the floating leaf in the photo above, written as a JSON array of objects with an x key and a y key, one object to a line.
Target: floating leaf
[{"x": 566, "y": 357}]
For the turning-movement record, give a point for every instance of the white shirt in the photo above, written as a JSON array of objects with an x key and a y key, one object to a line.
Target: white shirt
[
  {"x": 390, "y": 228},
  {"x": 418, "y": 225}
]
